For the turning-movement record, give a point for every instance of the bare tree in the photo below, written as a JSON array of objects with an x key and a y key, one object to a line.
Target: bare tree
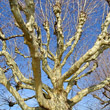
[{"x": 47, "y": 33}]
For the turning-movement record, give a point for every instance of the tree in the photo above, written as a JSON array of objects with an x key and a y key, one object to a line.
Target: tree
[{"x": 52, "y": 30}]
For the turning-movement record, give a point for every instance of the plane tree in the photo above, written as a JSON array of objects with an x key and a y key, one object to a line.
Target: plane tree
[{"x": 47, "y": 33}]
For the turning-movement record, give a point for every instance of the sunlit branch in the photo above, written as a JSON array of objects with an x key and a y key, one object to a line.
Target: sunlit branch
[
  {"x": 20, "y": 101},
  {"x": 48, "y": 53},
  {"x": 85, "y": 3},
  {"x": 37, "y": 76},
  {"x": 46, "y": 67},
  {"x": 17, "y": 51},
  {"x": 47, "y": 89},
  {"x": 101, "y": 43},
  {"x": 89, "y": 3},
  {"x": 11, "y": 63},
  {"x": 89, "y": 72},
  {"x": 2, "y": 76},
  {"x": 21, "y": 6},
  {"x": 3, "y": 37},
  {"x": 7, "y": 84},
  {"x": 42, "y": 9},
  {"x": 88, "y": 90},
  {"x": 39, "y": 38},
  {"x": 83, "y": 59},
  {"x": 17, "y": 15},
  {"x": 58, "y": 30},
  {"x": 30, "y": 11},
  {"x": 107, "y": 88},
  {"x": 19, "y": 84},
  {"x": 46, "y": 27},
  {"x": 82, "y": 19},
  {"x": 106, "y": 23},
  {"x": 22, "y": 86},
  {"x": 72, "y": 81}
]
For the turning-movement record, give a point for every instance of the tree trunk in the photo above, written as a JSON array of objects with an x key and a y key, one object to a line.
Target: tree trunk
[{"x": 59, "y": 101}]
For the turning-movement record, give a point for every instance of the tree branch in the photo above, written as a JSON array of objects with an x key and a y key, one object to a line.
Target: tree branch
[
  {"x": 17, "y": 51},
  {"x": 88, "y": 90},
  {"x": 102, "y": 101},
  {"x": 89, "y": 72},
  {"x": 58, "y": 30},
  {"x": 30, "y": 11},
  {"x": 102, "y": 43},
  {"x": 46, "y": 27},
  {"x": 72, "y": 81},
  {"x": 3, "y": 37},
  {"x": 82, "y": 19},
  {"x": 29, "y": 98},
  {"x": 38, "y": 83},
  {"x": 47, "y": 89},
  {"x": 18, "y": 98},
  {"x": 45, "y": 65},
  {"x": 17, "y": 15},
  {"x": 10, "y": 62},
  {"x": 14, "y": 36}
]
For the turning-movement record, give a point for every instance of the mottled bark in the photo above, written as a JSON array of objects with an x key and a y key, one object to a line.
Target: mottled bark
[{"x": 55, "y": 98}]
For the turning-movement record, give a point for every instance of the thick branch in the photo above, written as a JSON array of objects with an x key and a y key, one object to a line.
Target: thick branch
[
  {"x": 47, "y": 89},
  {"x": 38, "y": 83},
  {"x": 30, "y": 11},
  {"x": 58, "y": 30},
  {"x": 17, "y": 15},
  {"x": 46, "y": 27},
  {"x": 3, "y": 37},
  {"x": 2, "y": 76}
]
